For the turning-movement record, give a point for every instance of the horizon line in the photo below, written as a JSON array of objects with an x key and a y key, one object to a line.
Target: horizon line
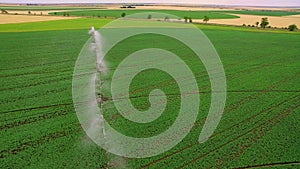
[{"x": 139, "y": 4}]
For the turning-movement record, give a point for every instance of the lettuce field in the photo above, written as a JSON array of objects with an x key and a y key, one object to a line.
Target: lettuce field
[{"x": 39, "y": 127}]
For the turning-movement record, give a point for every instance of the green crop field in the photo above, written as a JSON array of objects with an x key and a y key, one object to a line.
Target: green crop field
[
  {"x": 117, "y": 13},
  {"x": 39, "y": 127},
  {"x": 81, "y": 23}
]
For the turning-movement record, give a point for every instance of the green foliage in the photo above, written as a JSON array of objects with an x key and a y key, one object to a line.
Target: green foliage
[
  {"x": 3, "y": 11},
  {"x": 256, "y": 23},
  {"x": 206, "y": 19},
  {"x": 123, "y": 14},
  {"x": 264, "y": 22},
  {"x": 293, "y": 27},
  {"x": 39, "y": 127},
  {"x": 186, "y": 19},
  {"x": 167, "y": 18}
]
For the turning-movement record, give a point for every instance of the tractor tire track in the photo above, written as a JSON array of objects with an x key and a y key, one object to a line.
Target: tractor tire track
[
  {"x": 54, "y": 91},
  {"x": 37, "y": 73},
  {"x": 37, "y": 84},
  {"x": 38, "y": 65},
  {"x": 35, "y": 119},
  {"x": 36, "y": 108},
  {"x": 197, "y": 124},
  {"x": 242, "y": 101},
  {"x": 274, "y": 119},
  {"x": 271, "y": 165}
]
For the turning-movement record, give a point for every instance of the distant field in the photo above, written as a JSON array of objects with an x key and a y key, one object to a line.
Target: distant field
[
  {"x": 117, "y": 13},
  {"x": 41, "y": 8},
  {"x": 81, "y": 23},
  {"x": 264, "y": 13},
  {"x": 39, "y": 127},
  {"x": 86, "y": 23}
]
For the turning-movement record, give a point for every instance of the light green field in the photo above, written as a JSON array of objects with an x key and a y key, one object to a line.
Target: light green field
[
  {"x": 81, "y": 23},
  {"x": 117, "y": 13},
  {"x": 39, "y": 127}
]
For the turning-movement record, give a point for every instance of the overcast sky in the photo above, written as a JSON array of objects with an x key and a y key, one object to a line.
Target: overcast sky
[{"x": 218, "y": 2}]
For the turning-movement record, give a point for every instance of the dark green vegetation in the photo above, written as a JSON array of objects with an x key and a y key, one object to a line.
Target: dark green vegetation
[
  {"x": 293, "y": 27},
  {"x": 264, "y": 22},
  {"x": 118, "y": 13},
  {"x": 264, "y": 13},
  {"x": 260, "y": 125}
]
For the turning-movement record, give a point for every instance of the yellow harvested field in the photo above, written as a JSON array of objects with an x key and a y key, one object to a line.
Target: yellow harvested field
[
  {"x": 275, "y": 21},
  {"x": 4, "y": 19},
  {"x": 24, "y": 12},
  {"x": 267, "y": 8}
]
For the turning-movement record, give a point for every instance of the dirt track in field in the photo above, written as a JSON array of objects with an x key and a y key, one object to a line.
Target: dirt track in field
[{"x": 6, "y": 19}]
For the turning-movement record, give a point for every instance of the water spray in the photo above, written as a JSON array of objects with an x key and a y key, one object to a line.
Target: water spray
[{"x": 100, "y": 69}]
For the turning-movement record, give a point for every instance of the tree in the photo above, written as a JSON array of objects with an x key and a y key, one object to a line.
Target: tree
[
  {"x": 186, "y": 19},
  {"x": 167, "y": 18},
  {"x": 206, "y": 19},
  {"x": 264, "y": 22},
  {"x": 123, "y": 14},
  {"x": 292, "y": 27},
  {"x": 257, "y": 23},
  {"x": 190, "y": 20},
  {"x": 149, "y": 16},
  {"x": 4, "y": 11},
  {"x": 29, "y": 12}
]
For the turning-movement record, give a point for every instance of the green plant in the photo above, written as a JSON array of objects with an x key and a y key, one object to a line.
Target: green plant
[
  {"x": 123, "y": 14},
  {"x": 206, "y": 19},
  {"x": 264, "y": 22},
  {"x": 3, "y": 11},
  {"x": 293, "y": 27}
]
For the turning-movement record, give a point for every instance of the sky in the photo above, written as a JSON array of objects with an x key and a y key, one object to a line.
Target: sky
[{"x": 214, "y": 2}]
